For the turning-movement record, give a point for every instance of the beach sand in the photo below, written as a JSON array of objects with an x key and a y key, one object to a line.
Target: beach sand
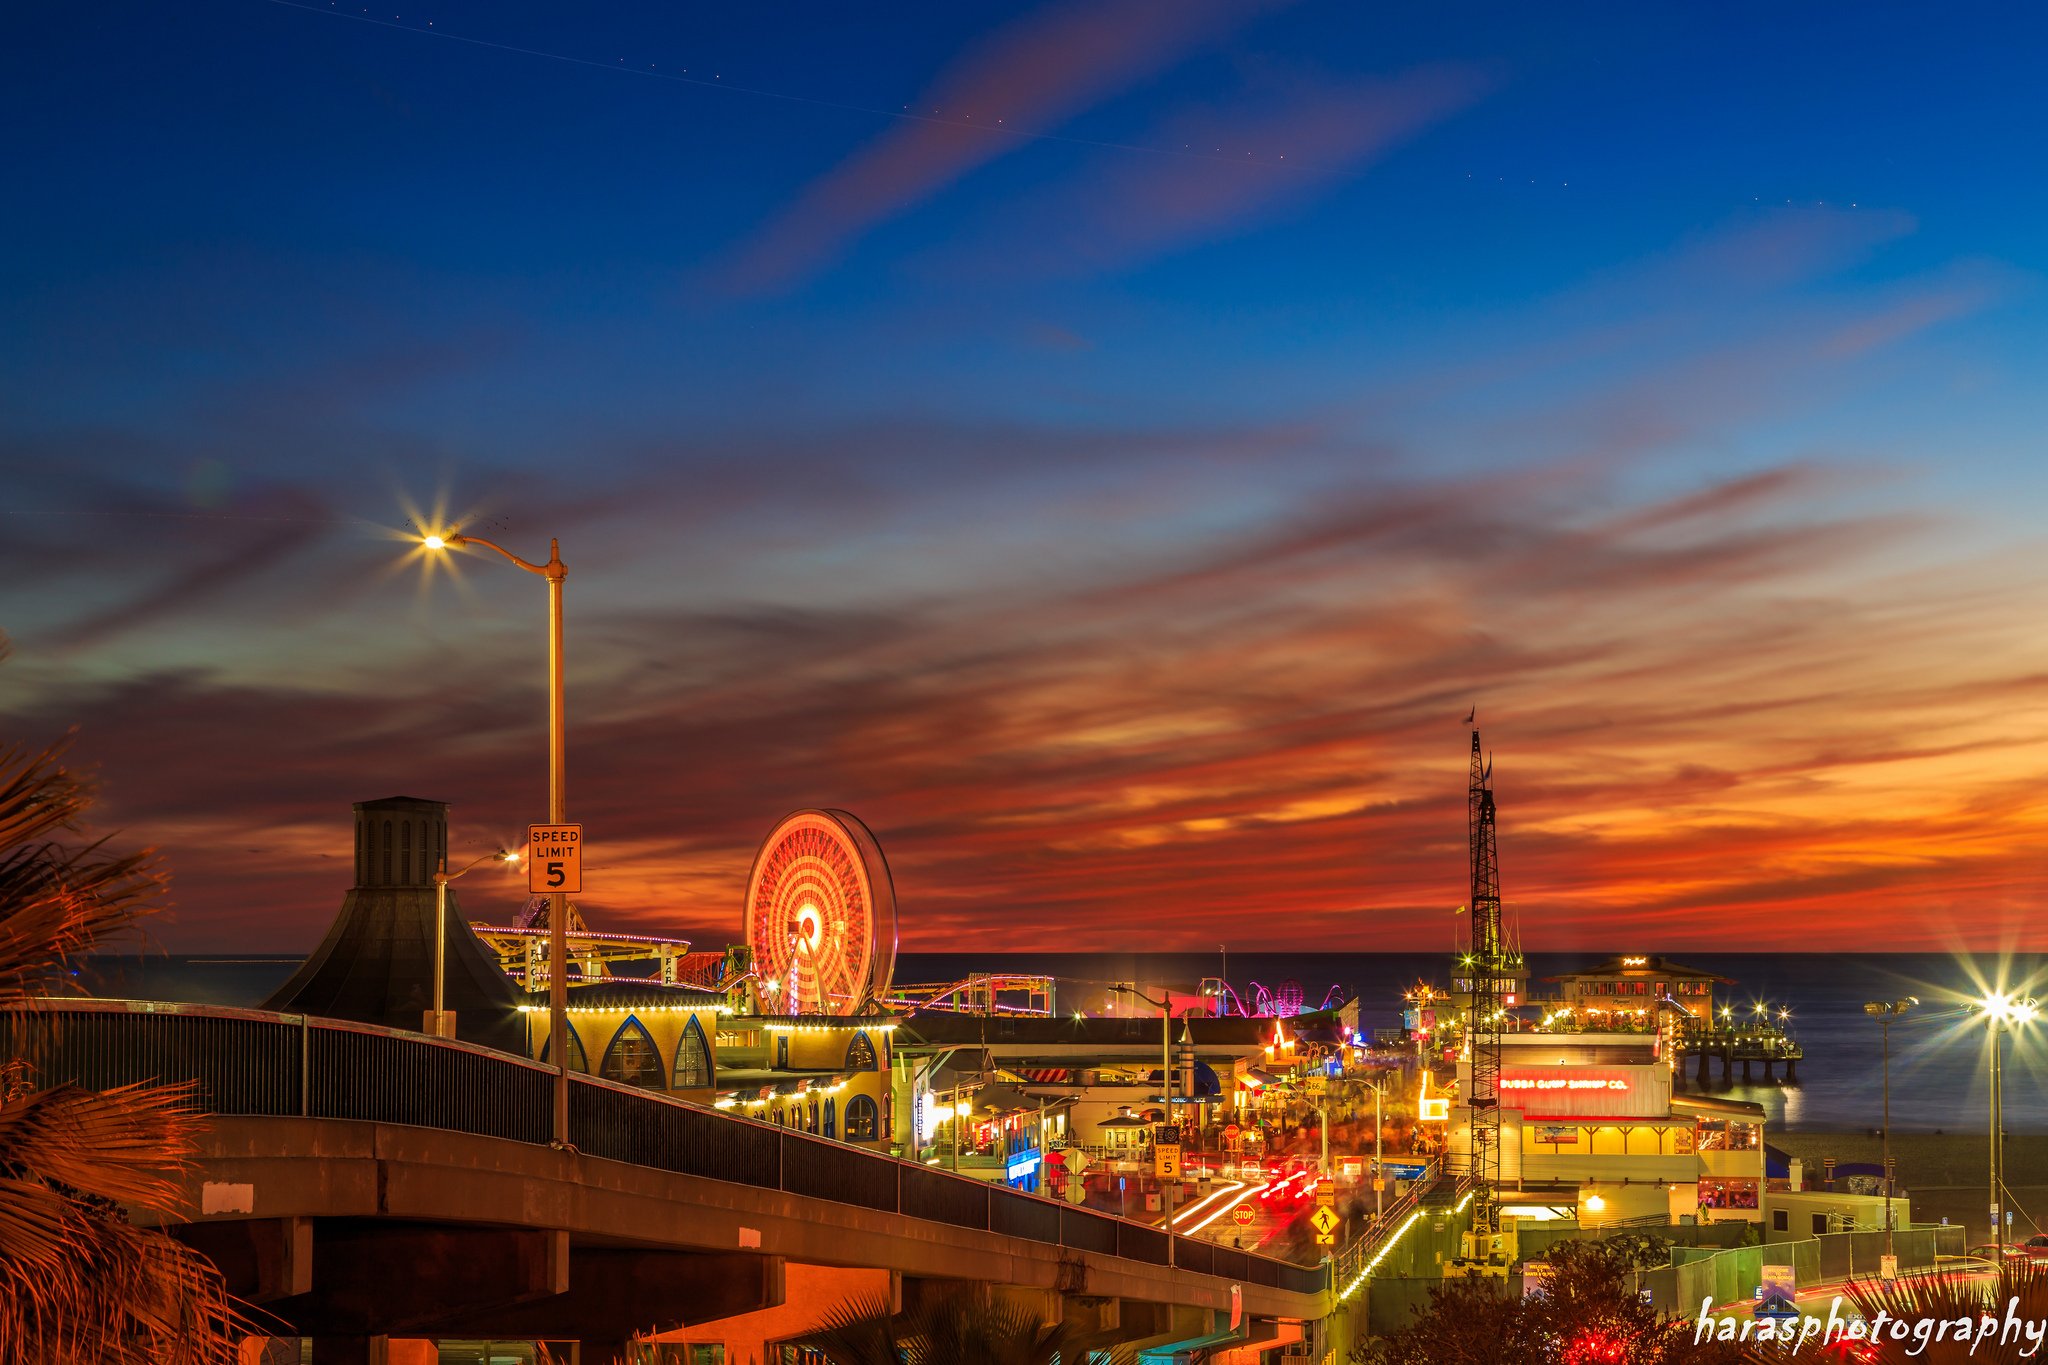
[{"x": 1947, "y": 1175}]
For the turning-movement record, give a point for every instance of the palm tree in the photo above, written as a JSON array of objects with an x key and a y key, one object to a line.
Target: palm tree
[
  {"x": 2020, "y": 1288},
  {"x": 79, "y": 1283}
]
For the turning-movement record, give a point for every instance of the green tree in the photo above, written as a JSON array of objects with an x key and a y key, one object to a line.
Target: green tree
[{"x": 79, "y": 1283}]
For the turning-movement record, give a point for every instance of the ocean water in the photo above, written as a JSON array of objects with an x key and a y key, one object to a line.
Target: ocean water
[{"x": 1938, "y": 1067}]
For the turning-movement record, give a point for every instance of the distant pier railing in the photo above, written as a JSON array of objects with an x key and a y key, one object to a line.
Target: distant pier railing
[
  {"x": 1745, "y": 1043},
  {"x": 251, "y": 1062}
]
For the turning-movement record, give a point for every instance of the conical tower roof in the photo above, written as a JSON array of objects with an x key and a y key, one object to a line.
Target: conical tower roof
[{"x": 376, "y": 965}]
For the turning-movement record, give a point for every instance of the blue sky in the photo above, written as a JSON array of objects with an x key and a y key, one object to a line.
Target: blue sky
[{"x": 1290, "y": 374}]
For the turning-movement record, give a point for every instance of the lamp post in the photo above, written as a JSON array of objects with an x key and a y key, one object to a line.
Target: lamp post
[
  {"x": 558, "y": 812},
  {"x": 440, "y": 1023},
  {"x": 1166, "y": 1191},
  {"x": 1884, "y": 1011},
  {"x": 1379, "y": 1173},
  {"x": 2001, "y": 1012}
]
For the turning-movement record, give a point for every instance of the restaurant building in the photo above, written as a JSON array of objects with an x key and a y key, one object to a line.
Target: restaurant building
[{"x": 1590, "y": 1123}]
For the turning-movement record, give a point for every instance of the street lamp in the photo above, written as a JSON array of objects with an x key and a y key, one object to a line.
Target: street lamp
[
  {"x": 441, "y": 1023},
  {"x": 2001, "y": 1012},
  {"x": 1166, "y": 1190},
  {"x": 1884, "y": 1011},
  {"x": 558, "y": 811},
  {"x": 1379, "y": 1174}
]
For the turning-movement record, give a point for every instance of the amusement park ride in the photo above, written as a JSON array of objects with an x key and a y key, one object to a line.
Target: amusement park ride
[
  {"x": 819, "y": 939},
  {"x": 821, "y": 916},
  {"x": 820, "y": 929}
]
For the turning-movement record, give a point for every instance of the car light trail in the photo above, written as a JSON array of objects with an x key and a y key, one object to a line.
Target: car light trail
[{"x": 1196, "y": 1207}]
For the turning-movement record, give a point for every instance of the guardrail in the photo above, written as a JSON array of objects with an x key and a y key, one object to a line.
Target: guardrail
[
  {"x": 1350, "y": 1259},
  {"x": 251, "y": 1062}
]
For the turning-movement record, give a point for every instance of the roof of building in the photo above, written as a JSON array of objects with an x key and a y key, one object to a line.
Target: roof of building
[
  {"x": 784, "y": 1079},
  {"x": 931, "y": 1029},
  {"x": 1578, "y": 1049},
  {"x": 1707, "y": 1104},
  {"x": 820, "y": 1023},
  {"x": 1636, "y": 965},
  {"x": 376, "y": 966},
  {"x": 999, "y": 1098},
  {"x": 626, "y": 993}
]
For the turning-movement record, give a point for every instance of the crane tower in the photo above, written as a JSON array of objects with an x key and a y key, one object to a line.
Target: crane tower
[{"x": 1492, "y": 976}]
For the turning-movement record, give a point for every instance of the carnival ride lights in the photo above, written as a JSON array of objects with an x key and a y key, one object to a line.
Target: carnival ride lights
[{"x": 821, "y": 915}]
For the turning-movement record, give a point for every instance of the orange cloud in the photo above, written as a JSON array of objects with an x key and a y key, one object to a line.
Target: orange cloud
[{"x": 1719, "y": 717}]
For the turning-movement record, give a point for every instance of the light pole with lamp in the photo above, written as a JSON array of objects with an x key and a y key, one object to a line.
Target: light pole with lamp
[
  {"x": 439, "y": 1021},
  {"x": 1379, "y": 1170},
  {"x": 554, "y": 571},
  {"x": 1884, "y": 1011},
  {"x": 2001, "y": 1012},
  {"x": 1166, "y": 1190}
]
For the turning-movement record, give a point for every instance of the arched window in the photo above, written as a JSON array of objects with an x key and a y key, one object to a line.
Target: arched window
[
  {"x": 578, "y": 1060},
  {"x": 632, "y": 1057},
  {"x": 405, "y": 852},
  {"x": 693, "y": 1059},
  {"x": 831, "y": 1116},
  {"x": 861, "y": 1119},
  {"x": 860, "y": 1056},
  {"x": 387, "y": 853}
]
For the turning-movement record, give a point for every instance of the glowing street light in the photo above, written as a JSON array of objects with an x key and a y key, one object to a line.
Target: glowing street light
[
  {"x": 440, "y": 1023},
  {"x": 1166, "y": 1191},
  {"x": 1884, "y": 1011},
  {"x": 558, "y": 807},
  {"x": 2001, "y": 1013}
]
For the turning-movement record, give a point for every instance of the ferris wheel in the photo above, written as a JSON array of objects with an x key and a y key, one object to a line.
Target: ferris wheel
[{"x": 821, "y": 915}]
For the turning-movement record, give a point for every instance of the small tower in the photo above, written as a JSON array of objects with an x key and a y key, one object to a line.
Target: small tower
[{"x": 376, "y": 965}]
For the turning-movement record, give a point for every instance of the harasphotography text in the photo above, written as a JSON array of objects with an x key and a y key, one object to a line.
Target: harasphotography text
[{"x": 1804, "y": 1329}]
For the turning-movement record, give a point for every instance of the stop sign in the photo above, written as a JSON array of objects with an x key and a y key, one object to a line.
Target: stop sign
[{"x": 1242, "y": 1214}]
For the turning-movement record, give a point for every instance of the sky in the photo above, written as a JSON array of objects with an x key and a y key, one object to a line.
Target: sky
[{"x": 1109, "y": 446}]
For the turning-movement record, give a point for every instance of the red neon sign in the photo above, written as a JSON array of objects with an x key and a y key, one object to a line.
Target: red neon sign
[{"x": 1563, "y": 1083}]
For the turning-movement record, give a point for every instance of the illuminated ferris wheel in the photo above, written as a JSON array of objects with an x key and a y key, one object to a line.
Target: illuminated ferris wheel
[{"x": 821, "y": 915}]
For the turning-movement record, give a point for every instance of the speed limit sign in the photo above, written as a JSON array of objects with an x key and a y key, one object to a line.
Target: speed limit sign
[{"x": 554, "y": 859}]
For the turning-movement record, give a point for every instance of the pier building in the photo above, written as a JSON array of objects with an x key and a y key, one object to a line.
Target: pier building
[{"x": 1589, "y": 1122}]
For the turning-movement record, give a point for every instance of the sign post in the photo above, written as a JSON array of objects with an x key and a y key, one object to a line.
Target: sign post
[
  {"x": 1166, "y": 1151},
  {"x": 554, "y": 861}
]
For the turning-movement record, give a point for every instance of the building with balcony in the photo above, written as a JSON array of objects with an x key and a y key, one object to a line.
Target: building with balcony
[{"x": 1590, "y": 1124}]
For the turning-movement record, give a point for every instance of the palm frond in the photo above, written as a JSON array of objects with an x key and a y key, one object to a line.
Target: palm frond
[{"x": 79, "y": 1283}]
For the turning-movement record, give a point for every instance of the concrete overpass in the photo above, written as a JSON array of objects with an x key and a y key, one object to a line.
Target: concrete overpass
[{"x": 363, "y": 1183}]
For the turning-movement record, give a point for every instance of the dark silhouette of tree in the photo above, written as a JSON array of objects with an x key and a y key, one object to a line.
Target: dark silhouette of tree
[
  {"x": 1588, "y": 1314},
  {"x": 79, "y": 1283},
  {"x": 966, "y": 1328}
]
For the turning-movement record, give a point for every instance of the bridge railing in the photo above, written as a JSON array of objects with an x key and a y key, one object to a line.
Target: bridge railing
[{"x": 250, "y": 1062}]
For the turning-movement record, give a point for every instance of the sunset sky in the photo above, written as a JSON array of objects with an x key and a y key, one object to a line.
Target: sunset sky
[{"x": 1108, "y": 446}]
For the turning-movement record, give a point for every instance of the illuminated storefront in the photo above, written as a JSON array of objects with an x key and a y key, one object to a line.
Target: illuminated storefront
[
  {"x": 1594, "y": 1114},
  {"x": 1625, "y": 991}
]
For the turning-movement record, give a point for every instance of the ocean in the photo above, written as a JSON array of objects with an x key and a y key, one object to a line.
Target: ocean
[{"x": 1938, "y": 1051}]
